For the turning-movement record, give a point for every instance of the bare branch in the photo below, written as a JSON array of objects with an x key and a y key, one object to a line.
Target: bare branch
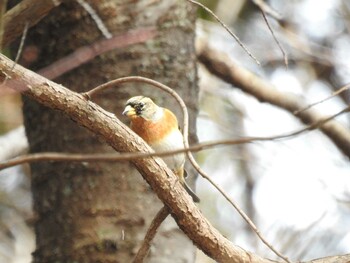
[
  {"x": 86, "y": 53},
  {"x": 222, "y": 66},
  {"x": 332, "y": 259},
  {"x": 48, "y": 156},
  {"x": 98, "y": 21},
  {"x": 31, "y": 11},
  {"x": 21, "y": 44},
  {"x": 227, "y": 29},
  {"x": 268, "y": 10},
  {"x": 335, "y": 93},
  {"x": 102, "y": 157},
  {"x": 285, "y": 57},
  {"x": 151, "y": 232},
  {"x": 161, "y": 179}
]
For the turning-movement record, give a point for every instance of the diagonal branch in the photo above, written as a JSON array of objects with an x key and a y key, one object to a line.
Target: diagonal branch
[
  {"x": 151, "y": 232},
  {"x": 226, "y": 28},
  {"x": 98, "y": 21},
  {"x": 109, "y": 128},
  {"x": 221, "y": 65},
  {"x": 31, "y": 11},
  {"x": 86, "y": 53},
  {"x": 334, "y": 94},
  {"x": 55, "y": 156},
  {"x": 154, "y": 171}
]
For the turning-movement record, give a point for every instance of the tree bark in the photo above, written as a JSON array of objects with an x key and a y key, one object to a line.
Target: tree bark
[{"x": 100, "y": 212}]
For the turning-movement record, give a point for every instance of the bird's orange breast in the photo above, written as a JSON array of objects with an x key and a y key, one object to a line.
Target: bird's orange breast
[{"x": 154, "y": 131}]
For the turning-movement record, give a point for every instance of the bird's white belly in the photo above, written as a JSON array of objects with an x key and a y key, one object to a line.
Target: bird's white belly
[{"x": 173, "y": 142}]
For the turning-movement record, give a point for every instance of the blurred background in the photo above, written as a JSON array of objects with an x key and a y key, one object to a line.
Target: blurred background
[{"x": 296, "y": 190}]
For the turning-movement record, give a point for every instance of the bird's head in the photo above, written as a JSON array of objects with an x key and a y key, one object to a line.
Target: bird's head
[{"x": 143, "y": 107}]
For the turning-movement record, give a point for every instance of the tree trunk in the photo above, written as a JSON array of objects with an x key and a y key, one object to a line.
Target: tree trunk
[{"x": 99, "y": 212}]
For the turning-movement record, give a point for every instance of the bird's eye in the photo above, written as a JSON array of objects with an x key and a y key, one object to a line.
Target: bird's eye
[{"x": 139, "y": 107}]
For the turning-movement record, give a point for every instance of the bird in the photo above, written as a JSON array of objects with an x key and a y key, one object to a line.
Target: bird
[{"x": 159, "y": 127}]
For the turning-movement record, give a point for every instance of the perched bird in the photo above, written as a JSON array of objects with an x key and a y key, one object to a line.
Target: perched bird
[{"x": 159, "y": 128}]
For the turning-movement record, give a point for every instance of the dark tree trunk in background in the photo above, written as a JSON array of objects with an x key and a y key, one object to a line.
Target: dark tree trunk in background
[{"x": 99, "y": 212}]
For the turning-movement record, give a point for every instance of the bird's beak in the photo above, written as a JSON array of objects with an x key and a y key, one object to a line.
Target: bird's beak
[{"x": 129, "y": 111}]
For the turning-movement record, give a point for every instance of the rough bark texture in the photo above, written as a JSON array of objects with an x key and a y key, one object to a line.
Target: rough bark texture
[{"x": 100, "y": 212}]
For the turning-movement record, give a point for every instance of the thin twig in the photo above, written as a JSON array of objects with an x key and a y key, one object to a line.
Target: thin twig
[
  {"x": 98, "y": 21},
  {"x": 151, "y": 232},
  {"x": 227, "y": 29},
  {"x": 53, "y": 156},
  {"x": 268, "y": 10},
  {"x": 335, "y": 93},
  {"x": 285, "y": 56},
  {"x": 21, "y": 44},
  {"x": 19, "y": 51},
  {"x": 71, "y": 157}
]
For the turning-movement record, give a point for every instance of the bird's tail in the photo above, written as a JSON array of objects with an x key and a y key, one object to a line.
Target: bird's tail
[
  {"x": 190, "y": 192},
  {"x": 182, "y": 174}
]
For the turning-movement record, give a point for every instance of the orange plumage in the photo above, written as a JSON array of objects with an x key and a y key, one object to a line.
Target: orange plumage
[
  {"x": 151, "y": 131},
  {"x": 159, "y": 128}
]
